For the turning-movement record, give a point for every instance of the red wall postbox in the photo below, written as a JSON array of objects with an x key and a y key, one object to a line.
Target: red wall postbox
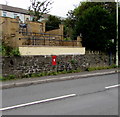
[{"x": 54, "y": 60}]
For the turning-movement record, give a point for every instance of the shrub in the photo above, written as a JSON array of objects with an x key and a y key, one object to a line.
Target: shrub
[
  {"x": 73, "y": 61},
  {"x": 9, "y": 51},
  {"x": 67, "y": 39},
  {"x": 15, "y": 52}
]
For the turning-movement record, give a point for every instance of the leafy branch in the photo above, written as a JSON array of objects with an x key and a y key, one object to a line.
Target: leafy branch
[{"x": 38, "y": 8}]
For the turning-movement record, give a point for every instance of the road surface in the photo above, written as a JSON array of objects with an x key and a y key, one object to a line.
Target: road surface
[{"x": 91, "y": 97}]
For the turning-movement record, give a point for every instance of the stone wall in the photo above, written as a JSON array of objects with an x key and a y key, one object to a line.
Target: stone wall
[
  {"x": 10, "y": 30},
  {"x": 20, "y": 66},
  {"x": 57, "y": 32}
]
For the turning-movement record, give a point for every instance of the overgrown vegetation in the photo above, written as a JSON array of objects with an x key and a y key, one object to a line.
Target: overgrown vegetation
[
  {"x": 34, "y": 75},
  {"x": 10, "y": 77},
  {"x": 100, "y": 68},
  {"x": 96, "y": 23},
  {"x": 9, "y": 51},
  {"x": 51, "y": 73},
  {"x": 67, "y": 39},
  {"x": 52, "y": 23}
]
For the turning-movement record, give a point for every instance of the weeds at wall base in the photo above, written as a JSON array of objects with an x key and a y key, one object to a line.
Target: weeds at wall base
[
  {"x": 10, "y": 77},
  {"x": 100, "y": 68},
  {"x": 34, "y": 75}
]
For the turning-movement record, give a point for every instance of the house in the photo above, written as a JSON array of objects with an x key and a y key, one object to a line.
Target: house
[{"x": 13, "y": 12}]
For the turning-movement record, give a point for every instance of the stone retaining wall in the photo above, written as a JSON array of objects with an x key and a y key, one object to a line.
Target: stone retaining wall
[{"x": 20, "y": 66}]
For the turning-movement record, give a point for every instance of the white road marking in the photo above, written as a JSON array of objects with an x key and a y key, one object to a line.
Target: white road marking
[
  {"x": 113, "y": 86},
  {"x": 37, "y": 102}
]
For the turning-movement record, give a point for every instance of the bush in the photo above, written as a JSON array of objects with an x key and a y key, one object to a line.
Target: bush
[
  {"x": 67, "y": 39},
  {"x": 15, "y": 52},
  {"x": 9, "y": 51}
]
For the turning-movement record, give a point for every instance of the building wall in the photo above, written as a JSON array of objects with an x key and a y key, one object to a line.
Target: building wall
[
  {"x": 22, "y": 17},
  {"x": 8, "y": 14},
  {"x": 27, "y": 17}
]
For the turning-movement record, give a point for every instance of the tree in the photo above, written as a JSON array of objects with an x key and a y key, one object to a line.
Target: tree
[
  {"x": 69, "y": 23},
  {"x": 37, "y": 8},
  {"x": 119, "y": 34},
  {"x": 96, "y": 21},
  {"x": 73, "y": 17},
  {"x": 109, "y": 6},
  {"x": 52, "y": 23},
  {"x": 95, "y": 26}
]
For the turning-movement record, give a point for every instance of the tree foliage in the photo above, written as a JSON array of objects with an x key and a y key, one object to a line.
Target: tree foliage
[
  {"x": 52, "y": 23},
  {"x": 95, "y": 26},
  {"x": 38, "y": 8},
  {"x": 96, "y": 21},
  {"x": 69, "y": 24}
]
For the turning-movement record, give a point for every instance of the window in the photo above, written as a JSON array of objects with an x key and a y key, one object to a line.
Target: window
[
  {"x": 15, "y": 15},
  {"x": 31, "y": 18},
  {"x": 4, "y": 13}
]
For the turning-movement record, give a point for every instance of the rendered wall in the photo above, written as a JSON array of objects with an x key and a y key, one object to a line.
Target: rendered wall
[{"x": 52, "y": 50}]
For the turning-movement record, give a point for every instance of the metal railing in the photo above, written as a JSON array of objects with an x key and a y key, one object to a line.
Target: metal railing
[
  {"x": 48, "y": 42},
  {"x": 37, "y": 34},
  {"x": 31, "y": 38}
]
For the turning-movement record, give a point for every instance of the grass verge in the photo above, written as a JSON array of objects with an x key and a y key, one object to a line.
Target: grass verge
[{"x": 100, "y": 68}]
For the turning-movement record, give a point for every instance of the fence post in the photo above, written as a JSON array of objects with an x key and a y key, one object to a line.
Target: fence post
[
  {"x": 49, "y": 39},
  {"x": 44, "y": 40}
]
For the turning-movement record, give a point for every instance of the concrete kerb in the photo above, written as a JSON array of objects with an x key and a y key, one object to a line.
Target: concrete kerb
[{"x": 27, "y": 83}]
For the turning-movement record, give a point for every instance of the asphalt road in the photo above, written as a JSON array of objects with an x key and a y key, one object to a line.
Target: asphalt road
[{"x": 91, "y": 97}]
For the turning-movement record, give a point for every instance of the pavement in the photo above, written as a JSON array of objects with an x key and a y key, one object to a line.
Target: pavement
[{"x": 70, "y": 76}]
